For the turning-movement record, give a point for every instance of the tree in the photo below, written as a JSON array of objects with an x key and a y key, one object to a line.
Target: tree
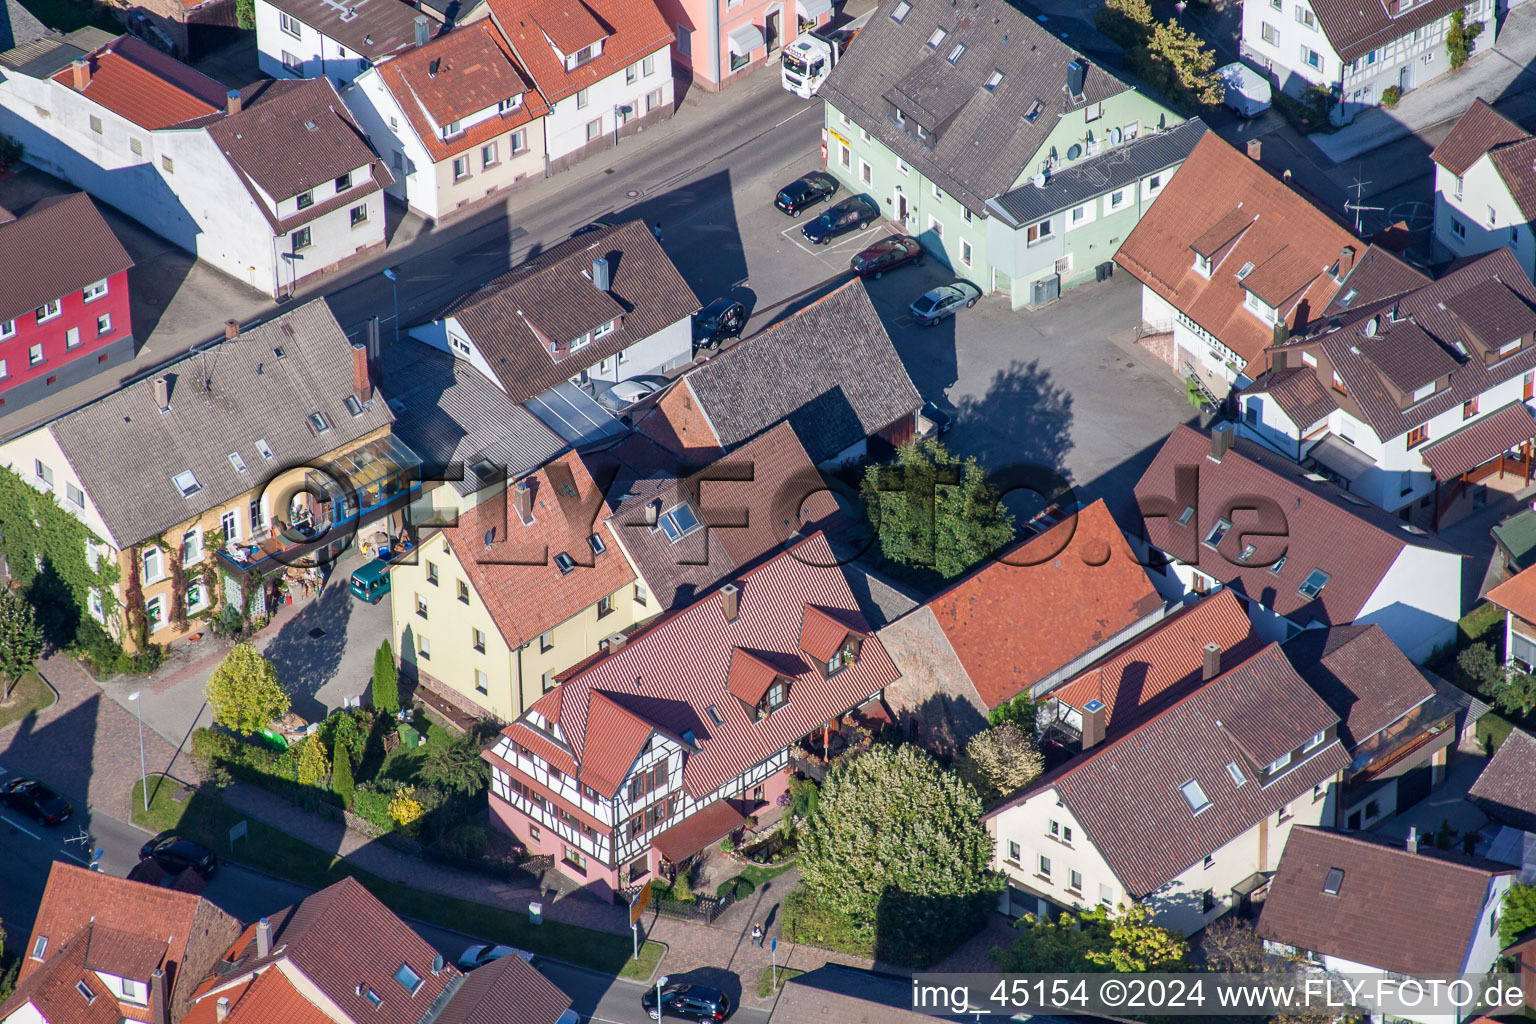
[
  {"x": 1137, "y": 945},
  {"x": 1518, "y": 914},
  {"x": 341, "y": 775},
  {"x": 1458, "y": 38},
  {"x": 1181, "y": 65},
  {"x": 405, "y": 808},
  {"x": 1479, "y": 663},
  {"x": 1125, "y": 22},
  {"x": 1000, "y": 760},
  {"x": 1022, "y": 709},
  {"x": 245, "y": 13},
  {"x": 386, "y": 681},
  {"x": 244, "y": 691},
  {"x": 1094, "y": 941},
  {"x": 896, "y": 846},
  {"x": 313, "y": 765},
  {"x": 347, "y": 738},
  {"x": 21, "y": 639},
  {"x": 456, "y": 766},
  {"x": 932, "y": 508},
  {"x": 1505, "y": 686},
  {"x": 1231, "y": 946}
]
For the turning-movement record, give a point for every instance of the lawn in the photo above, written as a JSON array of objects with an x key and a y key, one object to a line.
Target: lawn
[
  {"x": 750, "y": 879},
  {"x": 765, "y": 984},
  {"x": 68, "y": 15},
  {"x": 31, "y": 695},
  {"x": 1483, "y": 624},
  {"x": 207, "y": 819},
  {"x": 1491, "y": 730}
]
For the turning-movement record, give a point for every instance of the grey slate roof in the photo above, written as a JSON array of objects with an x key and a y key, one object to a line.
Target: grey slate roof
[
  {"x": 1506, "y": 790},
  {"x": 125, "y": 451},
  {"x": 18, "y": 27},
  {"x": 829, "y": 369},
  {"x": 373, "y": 28},
  {"x": 1122, "y": 165},
  {"x": 447, "y": 411},
  {"x": 984, "y": 138}
]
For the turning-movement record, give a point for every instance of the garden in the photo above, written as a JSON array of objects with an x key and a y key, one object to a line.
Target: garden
[{"x": 1474, "y": 661}]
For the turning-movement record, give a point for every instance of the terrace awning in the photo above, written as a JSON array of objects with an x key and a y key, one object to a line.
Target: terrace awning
[
  {"x": 697, "y": 831},
  {"x": 744, "y": 39},
  {"x": 1342, "y": 457}
]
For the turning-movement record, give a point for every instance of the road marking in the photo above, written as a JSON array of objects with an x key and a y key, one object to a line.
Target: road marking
[
  {"x": 791, "y": 117},
  {"x": 20, "y": 828},
  {"x": 74, "y": 857}
]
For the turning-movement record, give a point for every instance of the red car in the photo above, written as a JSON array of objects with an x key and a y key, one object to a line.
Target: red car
[{"x": 886, "y": 254}]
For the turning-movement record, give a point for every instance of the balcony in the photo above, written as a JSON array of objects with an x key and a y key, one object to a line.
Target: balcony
[{"x": 1411, "y": 734}]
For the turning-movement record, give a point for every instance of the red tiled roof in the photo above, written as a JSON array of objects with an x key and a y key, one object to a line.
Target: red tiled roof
[
  {"x": 1290, "y": 242},
  {"x": 1477, "y": 131},
  {"x": 50, "y": 988},
  {"x": 1164, "y": 660},
  {"x": 637, "y": 29},
  {"x": 673, "y": 673},
  {"x": 1387, "y": 899},
  {"x": 476, "y": 72},
  {"x": 136, "y": 81},
  {"x": 822, "y": 633},
  {"x": 1517, "y": 594},
  {"x": 527, "y": 599},
  {"x": 624, "y": 737},
  {"x": 269, "y": 999},
  {"x": 749, "y": 676},
  {"x": 1042, "y": 604},
  {"x": 1473, "y": 445},
  {"x": 698, "y": 830}
]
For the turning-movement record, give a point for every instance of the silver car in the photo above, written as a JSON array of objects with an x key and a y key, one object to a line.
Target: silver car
[{"x": 943, "y": 301}]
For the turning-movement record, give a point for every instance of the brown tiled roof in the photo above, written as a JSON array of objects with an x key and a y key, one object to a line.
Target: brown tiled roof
[
  {"x": 1377, "y": 275},
  {"x": 1406, "y": 356},
  {"x": 1128, "y": 792},
  {"x": 505, "y": 991},
  {"x": 750, "y": 515},
  {"x": 270, "y": 143},
  {"x": 267, "y": 998},
  {"x": 39, "y": 269},
  {"x": 1492, "y": 314},
  {"x": 1361, "y": 674},
  {"x": 693, "y": 833},
  {"x": 1044, "y": 603},
  {"x": 1473, "y": 445},
  {"x": 374, "y": 29},
  {"x": 1477, "y": 131},
  {"x": 1517, "y": 594},
  {"x": 1506, "y": 789},
  {"x": 132, "y": 922},
  {"x": 345, "y": 942},
  {"x": 1356, "y": 27},
  {"x": 50, "y": 988},
  {"x": 1386, "y": 901},
  {"x": 1355, "y": 543},
  {"x": 1162, "y": 663},
  {"x": 515, "y": 576},
  {"x": 551, "y": 299},
  {"x": 636, "y": 29},
  {"x": 1516, "y": 164},
  {"x": 1291, "y": 243},
  {"x": 1297, "y": 391},
  {"x": 475, "y": 71},
  {"x": 149, "y": 88}
]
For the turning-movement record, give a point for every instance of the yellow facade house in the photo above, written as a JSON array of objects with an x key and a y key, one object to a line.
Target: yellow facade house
[
  {"x": 219, "y": 470},
  {"x": 527, "y": 584}
]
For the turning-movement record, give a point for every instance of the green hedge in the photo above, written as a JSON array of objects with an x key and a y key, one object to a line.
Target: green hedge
[{"x": 809, "y": 923}]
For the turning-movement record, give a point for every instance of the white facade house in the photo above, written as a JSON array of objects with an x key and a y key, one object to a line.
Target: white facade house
[
  {"x": 1483, "y": 194},
  {"x": 1356, "y": 52},
  {"x": 595, "y": 113},
  {"x": 318, "y": 39},
  {"x": 207, "y": 171}
]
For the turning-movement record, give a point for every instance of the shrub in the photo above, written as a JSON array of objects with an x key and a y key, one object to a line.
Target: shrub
[
  {"x": 346, "y": 736},
  {"x": 681, "y": 891},
  {"x": 741, "y": 887},
  {"x": 341, "y": 775},
  {"x": 244, "y": 691},
  {"x": 999, "y": 760},
  {"x": 804, "y": 797},
  {"x": 809, "y": 922},
  {"x": 385, "y": 688},
  {"x": 1390, "y": 95},
  {"x": 372, "y": 805},
  {"x": 456, "y": 765},
  {"x": 468, "y": 841},
  {"x": 405, "y": 808},
  {"x": 313, "y": 765},
  {"x": 727, "y": 844}
]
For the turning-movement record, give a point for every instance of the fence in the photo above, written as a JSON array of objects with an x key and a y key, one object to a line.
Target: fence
[{"x": 704, "y": 908}]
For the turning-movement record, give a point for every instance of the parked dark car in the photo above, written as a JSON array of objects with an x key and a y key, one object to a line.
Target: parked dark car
[
  {"x": 938, "y": 417},
  {"x": 943, "y": 301},
  {"x": 690, "y": 1002},
  {"x": 721, "y": 319},
  {"x": 813, "y": 188},
  {"x": 175, "y": 854},
  {"x": 886, "y": 254},
  {"x": 36, "y": 800},
  {"x": 852, "y": 214}
]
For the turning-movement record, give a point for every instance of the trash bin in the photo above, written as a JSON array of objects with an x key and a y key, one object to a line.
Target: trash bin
[{"x": 535, "y": 913}]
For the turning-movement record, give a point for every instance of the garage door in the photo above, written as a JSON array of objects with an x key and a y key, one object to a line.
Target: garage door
[{"x": 1413, "y": 787}]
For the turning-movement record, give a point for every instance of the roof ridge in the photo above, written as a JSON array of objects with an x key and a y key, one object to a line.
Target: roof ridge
[{"x": 1432, "y": 855}]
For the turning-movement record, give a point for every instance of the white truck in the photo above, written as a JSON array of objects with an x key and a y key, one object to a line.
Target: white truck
[{"x": 810, "y": 59}]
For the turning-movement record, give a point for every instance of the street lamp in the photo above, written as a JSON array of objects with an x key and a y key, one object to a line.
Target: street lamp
[
  {"x": 143, "y": 772},
  {"x": 394, "y": 284},
  {"x": 659, "y": 982}
]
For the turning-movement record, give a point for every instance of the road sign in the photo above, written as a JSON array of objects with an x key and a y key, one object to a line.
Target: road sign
[
  {"x": 773, "y": 946},
  {"x": 642, "y": 900},
  {"x": 237, "y": 831}
]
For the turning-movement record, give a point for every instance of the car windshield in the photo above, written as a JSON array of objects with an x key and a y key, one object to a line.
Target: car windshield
[{"x": 927, "y": 302}]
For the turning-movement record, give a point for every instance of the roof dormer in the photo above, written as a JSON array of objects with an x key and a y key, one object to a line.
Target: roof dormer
[
  {"x": 757, "y": 683},
  {"x": 829, "y": 642},
  {"x": 575, "y": 33}
]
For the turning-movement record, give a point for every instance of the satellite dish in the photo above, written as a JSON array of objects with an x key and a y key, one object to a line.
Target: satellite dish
[
  {"x": 1040, "y": 180},
  {"x": 437, "y": 964},
  {"x": 1370, "y": 327},
  {"x": 1114, "y": 136}
]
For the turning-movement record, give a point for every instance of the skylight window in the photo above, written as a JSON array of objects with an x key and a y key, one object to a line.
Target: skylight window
[
  {"x": 408, "y": 979},
  {"x": 353, "y": 405},
  {"x": 1195, "y": 795},
  {"x": 714, "y": 715},
  {"x": 85, "y": 991},
  {"x": 937, "y": 38},
  {"x": 264, "y": 448},
  {"x": 1186, "y": 515},
  {"x": 1349, "y": 297},
  {"x": 1244, "y": 555},
  {"x": 565, "y": 563},
  {"x": 374, "y": 999},
  {"x": 677, "y": 523},
  {"x": 1333, "y": 882},
  {"x": 319, "y": 422},
  {"x": 993, "y": 81},
  {"x": 236, "y": 461},
  {"x": 1314, "y": 583},
  {"x": 1237, "y": 773},
  {"x": 901, "y": 11},
  {"x": 1218, "y": 533},
  {"x": 954, "y": 54},
  {"x": 186, "y": 483},
  {"x": 1247, "y": 268},
  {"x": 597, "y": 545},
  {"x": 1274, "y": 570}
]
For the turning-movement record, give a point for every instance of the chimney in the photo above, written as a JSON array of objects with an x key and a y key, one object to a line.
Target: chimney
[
  {"x": 163, "y": 393},
  {"x": 1346, "y": 260},
  {"x": 600, "y": 273},
  {"x": 522, "y": 501},
  {"x": 263, "y": 938},
  {"x": 231, "y": 330},
  {"x": 1221, "y": 441},
  {"x": 232, "y": 102},
  {"x": 423, "y": 29},
  {"x": 1077, "y": 74},
  {"x": 1280, "y": 360},
  {"x": 1412, "y": 843},
  {"x": 730, "y": 601},
  {"x": 1212, "y": 667},
  {"x": 1094, "y": 713},
  {"x": 82, "y": 73},
  {"x": 221, "y": 1008},
  {"x": 1255, "y": 147},
  {"x": 362, "y": 387},
  {"x": 159, "y": 1005},
  {"x": 652, "y": 512},
  {"x": 616, "y": 643}
]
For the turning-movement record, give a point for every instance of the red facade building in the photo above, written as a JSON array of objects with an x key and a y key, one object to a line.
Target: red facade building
[{"x": 63, "y": 298}]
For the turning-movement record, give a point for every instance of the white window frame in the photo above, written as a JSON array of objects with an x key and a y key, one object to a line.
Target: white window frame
[
  {"x": 158, "y": 559},
  {"x": 94, "y": 290},
  {"x": 290, "y": 25},
  {"x": 49, "y": 311}
]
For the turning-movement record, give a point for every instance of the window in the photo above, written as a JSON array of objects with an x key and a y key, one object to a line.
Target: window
[
  {"x": 1093, "y": 111},
  {"x": 1037, "y": 233},
  {"x": 1314, "y": 583},
  {"x": 40, "y": 947},
  {"x": 43, "y": 472},
  {"x": 845, "y": 156},
  {"x": 1283, "y": 815},
  {"x": 936, "y": 226},
  {"x": 1154, "y": 184},
  {"x": 477, "y": 639},
  {"x": 1458, "y": 229},
  {"x": 71, "y": 338},
  {"x": 432, "y": 573},
  {"x": 154, "y": 611},
  {"x": 488, "y": 155},
  {"x": 965, "y": 252},
  {"x": 423, "y": 647},
  {"x": 1280, "y": 762},
  {"x": 374, "y": 999},
  {"x": 229, "y": 523},
  {"x": 1014, "y": 853},
  {"x": 74, "y": 495},
  {"x": 1195, "y": 796},
  {"x": 103, "y": 324},
  {"x": 865, "y": 174},
  {"x": 677, "y": 523},
  {"x": 237, "y": 461},
  {"x": 652, "y": 100},
  {"x": 956, "y": 53},
  {"x": 304, "y": 200},
  {"x": 631, "y": 74},
  {"x": 1315, "y": 742},
  {"x": 594, "y": 130},
  {"x": 291, "y": 25},
  {"x": 136, "y": 146},
  {"x": 993, "y": 81},
  {"x": 1311, "y": 58},
  {"x": 1075, "y": 881},
  {"x": 1043, "y": 866},
  {"x": 1106, "y": 894},
  {"x": 35, "y": 354},
  {"x": 47, "y": 311},
  {"x": 518, "y": 141},
  {"x": 421, "y": 606},
  {"x": 408, "y": 979},
  {"x": 167, "y": 164},
  {"x": 1418, "y": 435},
  {"x": 292, "y": 64},
  {"x": 901, "y": 165},
  {"x": 1304, "y": 17},
  {"x": 1469, "y": 408},
  {"x": 546, "y": 641},
  {"x": 359, "y": 214},
  {"x": 640, "y": 594},
  {"x": 937, "y": 38},
  {"x": 460, "y": 168},
  {"x": 901, "y": 11},
  {"x": 463, "y": 592},
  {"x": 1237, "y": 773},
  {"x": 583, "y": 97},
  {"x": 192, "y": 547},
  {"x": 1319, "y": 791},
  {"x": 186, "y": 483},
  {"x": 7, "y": 329},
  {"x": 648, "y": 66},
  {"x": 1218, "y": 533},
  {"x": 482, "y": 681},
  {"x": 94, "y": 291},
  {"x": 604, "y": 605},
  {"x": 300, "y": 239},
  {"x": 85, "y": 991}
]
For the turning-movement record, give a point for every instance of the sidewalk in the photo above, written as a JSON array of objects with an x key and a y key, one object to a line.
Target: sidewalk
[{"x": 1492, "y": 74}]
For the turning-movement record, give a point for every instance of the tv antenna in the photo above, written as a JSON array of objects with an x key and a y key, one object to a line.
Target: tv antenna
[{"x": 1359, "y": 189}]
